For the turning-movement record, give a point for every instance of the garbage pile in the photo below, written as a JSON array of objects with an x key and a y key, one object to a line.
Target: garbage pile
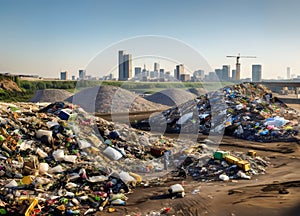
[
  {"x": 223, "y": 165},
  {"x": 247, "y": 111},
  {"x": 57, "y": 159}
]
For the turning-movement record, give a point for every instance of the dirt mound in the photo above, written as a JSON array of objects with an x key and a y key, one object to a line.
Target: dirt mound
[
  {"x": 50, "y": 95},
  {"x": 9, "y": 85},
  {"x": 171, "y": 97},
  {"x": 197, "y": 91},
  {"x": 107, "y": 99}
]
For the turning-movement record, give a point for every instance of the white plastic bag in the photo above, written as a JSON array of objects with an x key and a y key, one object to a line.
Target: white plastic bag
[{"x": 112, "y": 153}]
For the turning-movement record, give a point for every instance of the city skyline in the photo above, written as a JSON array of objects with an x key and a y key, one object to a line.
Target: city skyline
[{"x": 44, "y": 38}]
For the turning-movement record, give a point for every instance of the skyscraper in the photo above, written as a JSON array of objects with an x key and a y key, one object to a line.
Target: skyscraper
[
  {"x": 219, "y": 73},
  {"x": 238, "y": 72},
  {"x": 125, "y": 66},
  {"x": 156, "y": 66},
  {"x": 225, "y": 72},
  {"x": 82, "y": 74},
  {"x": 233, "y": 75},
  {"x": 137, "y": 71},
  {"x": 161, "y": 73},
  {"x": 256, "y": 73},
  {"x": 179, "y": 71}
]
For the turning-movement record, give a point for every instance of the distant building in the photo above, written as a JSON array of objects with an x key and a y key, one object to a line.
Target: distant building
[
  {"x": 167, "y": 74},
  {"x": 64, "y": 75},
  {"x": 233, "y": 75},
  {"x": 237, "y": 72},
  {"x": 256, "y": 73},
  {"x": 152, "y": 74},
  {"x": 211, "y": 77},
  {"x": 125, "y": 66},
  {"x": 198, "y": 75},
  {"x": 156, "y": 66},
  {"x": 179, "y": 71},
  {"x": 225, "y": 72},
  {"x": 82, "y": 74},
  {"x": 288, "y": 73},
  {"x": 219, "y": 73},
  {"x": 161, "y": 73},
  {"x": 185, "y": 77},
  {"x": 137, "y": 71}
]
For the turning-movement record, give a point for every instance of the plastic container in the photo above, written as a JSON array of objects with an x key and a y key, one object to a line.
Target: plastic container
[{"x": 41, "y": 133}]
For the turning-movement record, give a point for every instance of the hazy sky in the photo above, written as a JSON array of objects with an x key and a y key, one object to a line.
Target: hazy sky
[{"x": 44, "y": 37}]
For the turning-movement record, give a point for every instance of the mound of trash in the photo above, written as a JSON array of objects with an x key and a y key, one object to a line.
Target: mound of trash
[
  {"x": 58, "y": 159},
  {"x": 247, "y": 111},
  {"x": 111, "y": 99},
  {"x": 171, "y": 97},
  {"x": 61, "y": 157},
  {"x": 50, "y": 95}
]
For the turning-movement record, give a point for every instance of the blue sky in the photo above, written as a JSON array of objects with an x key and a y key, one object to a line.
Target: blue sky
[{"x": 43, "y": 37}]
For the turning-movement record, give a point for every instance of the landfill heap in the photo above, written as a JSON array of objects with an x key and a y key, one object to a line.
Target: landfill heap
[
  {"x": 247, "y": 111},
  {"x": 223, "y": 165},
  {"x": 59, "y": 160}
]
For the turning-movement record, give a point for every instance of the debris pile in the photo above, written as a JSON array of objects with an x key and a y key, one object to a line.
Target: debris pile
[
  {"x": 58, "y": 160},
  {"x": 223, "y": 165},
  {"x": 247, "y": 111}
]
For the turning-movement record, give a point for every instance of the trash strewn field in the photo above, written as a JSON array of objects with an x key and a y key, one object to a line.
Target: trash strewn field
[{"x": 57, "y": 159}]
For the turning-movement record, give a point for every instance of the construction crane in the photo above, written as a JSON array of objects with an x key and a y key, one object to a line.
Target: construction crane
[{"x": 238, "y": 65}]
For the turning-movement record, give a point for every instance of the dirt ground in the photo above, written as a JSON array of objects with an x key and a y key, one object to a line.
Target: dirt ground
[{"x": 275, "y": 193}]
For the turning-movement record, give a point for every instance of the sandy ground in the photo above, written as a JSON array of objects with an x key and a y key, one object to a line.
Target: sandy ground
[{"x": 259, "y": 196}]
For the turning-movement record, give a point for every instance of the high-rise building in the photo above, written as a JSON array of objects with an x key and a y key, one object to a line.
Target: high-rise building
[
  {"x": 179, "y": 71},
  {"x": 225, "y": 72},
  {"x": 82, "y": 74},
  {"x": 125, "y": 66},
  {"x": 288, "y": 73},
  {"x": 233, "y": 75},
  {"x": 237, "y": 72},
  {"x": 156, "y": 66},
  {"x": 161, "y": 73},
  {"x": 256, "y": 73},
  {"x": 137, "y": 71},
  {"x": 219, "y": 73},
  {"x": 121, "y": 65},
  {"x": 64, "y": 75},
  {"x": 198, "y": 75},
  {"x": 152, "y": 74}
]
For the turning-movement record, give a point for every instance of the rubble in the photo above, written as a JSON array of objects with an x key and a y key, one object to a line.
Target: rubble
[
  {"x": 57, "y": 159},
  {"x": 204, "y": 167},
  {"x": 247, "y": 111}
]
